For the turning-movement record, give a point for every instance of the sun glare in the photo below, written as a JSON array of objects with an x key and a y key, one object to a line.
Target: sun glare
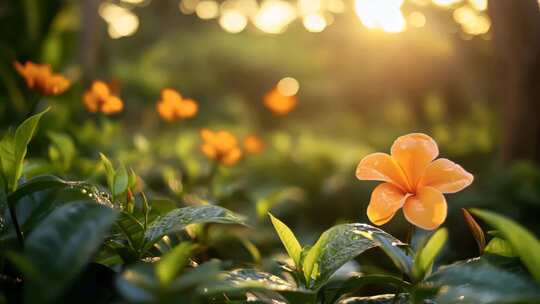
[
  {"x": 381, "y": 14},
  {"x": 274, "y": 16}
]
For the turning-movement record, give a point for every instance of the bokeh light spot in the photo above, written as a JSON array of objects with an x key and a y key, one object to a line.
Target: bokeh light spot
[
  {"x": 207, "y": 9},
  {"x": 288, "y": 86},
  {"x": 233, "y": 21}
]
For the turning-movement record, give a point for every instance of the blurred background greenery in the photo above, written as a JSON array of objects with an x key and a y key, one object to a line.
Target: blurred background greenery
[{"x": 464, "y": 71}]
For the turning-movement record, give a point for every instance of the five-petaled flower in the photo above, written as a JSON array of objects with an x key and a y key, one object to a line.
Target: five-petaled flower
[
  {"x": 253, "y": 144},
  {"x": 221, "y": 146},
  {"x": 99, "y": 98},
  {"x": 413, "y": 180},
  {"x": 172, "y": 106},
  {"x": 40, "y": 77},
  {"x": 278, "y": 103}
]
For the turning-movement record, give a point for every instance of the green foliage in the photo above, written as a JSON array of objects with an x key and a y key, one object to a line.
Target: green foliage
[
  {"x": 238, "y": 281},
  {"x": 173, "y": 262},
  {"x": 338, "y": 245},
  {"x": 13, "y": 148},
  {"x": 478, "y": 281},
  {"x": 176, "y": 220},
  {"x": 62, "y": 151},
  {"x": 499, "y": 246},
  {"x": 109, "y": 171},
  {"x": 401, "y": 259},
  {"x": 59, "y": 247},
  {"x": 294, "y": 249},
  {"x": 424, "y": 258},
  {"x": 140, "y": 284},
  {"x": 523, "y": 243}
]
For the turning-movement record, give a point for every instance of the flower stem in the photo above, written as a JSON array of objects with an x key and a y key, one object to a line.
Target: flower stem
[{"x": 15, "y": 222}]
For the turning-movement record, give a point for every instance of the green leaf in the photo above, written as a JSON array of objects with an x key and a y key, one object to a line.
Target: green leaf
[
  {"x": 7, "y": 159},
  {"x": 379, "y": 299},
  {"x": 132, "y": 229},
  {"x": 177, "y": 219},
  {"x": 121, "y": 181},
  {"x": 500, "y": 246},
  {"x": 173, "y": 262},
  {"x": 288, "y": 239},
  {"x": 23, "y": 135},
  {"x": 239, "y": 281},
  {"x": 11, "y": 157},
  {"x": 57, "y": 250},
  {"x": 338, "y": 245},
  {"x": 356, "y": 282},
  {"x": 397, "y": 254},
  {"x": 424, "y": 258},
  {"x": 132, "y": 180},
  {"x": 477, "y": 281},
  {"x": 140, "y": 284},
  {"x": 36, "y": 184},
  {"x": 109, "y": 171},
  {"x": 523, "y": 243},
  {"x": 62, "y": 150}
]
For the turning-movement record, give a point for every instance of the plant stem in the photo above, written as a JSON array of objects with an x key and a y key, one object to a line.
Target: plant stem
[
  {"x": 15, "y": 222},
  {"x": 410, "y": 234},
  {"x": 212, "y": 179}
]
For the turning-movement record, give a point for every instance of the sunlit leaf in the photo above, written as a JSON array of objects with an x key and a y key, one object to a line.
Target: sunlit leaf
[
  {"x": 121, "y": 181},
  {"x": 109, "y": 170},
  {"x": 288, "y": 239},
  {"x": 57, "y": 250},
  {"x": 239, "y": 281},
  {"x": 499, "y": 246},
  {"x": 173, "y": 262},
  {"x": 477, "y": 281},
  {"x": 13, "y": 149},
  {"x": 424, "y": 258},
  {"x": 358, "y": 281},
  {"x": 338, "y": 245},
  {"x": 398, "y": 255},
  {"x": 380, "y": 299},
  {"x": 140, "y": 284},
  {"x": 177, "y": 219},
  {"x": 524, "y": 244}
]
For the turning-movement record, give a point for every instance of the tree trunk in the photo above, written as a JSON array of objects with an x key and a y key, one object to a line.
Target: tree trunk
[{"x": 516, "y": 39}]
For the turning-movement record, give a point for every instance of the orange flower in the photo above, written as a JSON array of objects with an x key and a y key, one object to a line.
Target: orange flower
[
  {"x": 172, "y": 107},
  {"x": 99, "y": 98},
  {"x": 413, "y": 179},
  {"x": 253, "y": 144},
  {"x": 40, "y": 77},
  {"x": 278, "y": 103},
  {"x": 221, "y": 146}
]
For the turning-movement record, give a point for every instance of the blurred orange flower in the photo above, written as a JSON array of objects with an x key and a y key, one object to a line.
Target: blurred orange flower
[
  {"x": 414, "y": 180},
  {"x": 40, "y": 77},
  {"x": 99, "y": 98},
  {"x": 253, "y": 144},
  {"x": 278, "y": 103},
  {"x": 221, "y": 146},
  {"x": 172, "y": 106}
]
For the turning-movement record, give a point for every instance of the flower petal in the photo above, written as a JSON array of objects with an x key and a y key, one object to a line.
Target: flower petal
[
  {"x": 446, "y": 176},
  {"x": 386, "y": 199},
  {"x": 414, "y": 152},
  {"x": 170, "y": 95},
  {"x": 426, "y": 209},
  {"x": 232, "y": 157},
  {"x": 381, "y": 167}
]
